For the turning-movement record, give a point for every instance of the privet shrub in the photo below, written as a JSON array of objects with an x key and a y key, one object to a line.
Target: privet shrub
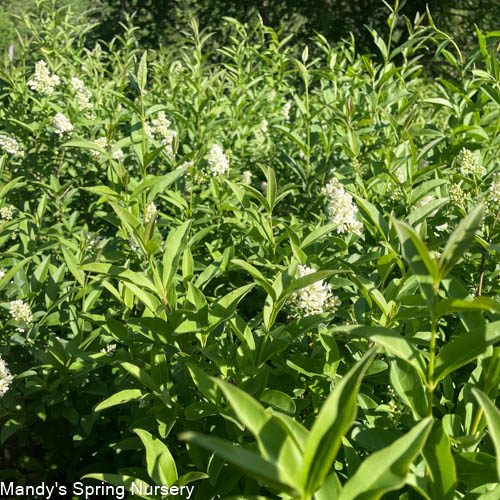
[{"x": 261, "y": 277}]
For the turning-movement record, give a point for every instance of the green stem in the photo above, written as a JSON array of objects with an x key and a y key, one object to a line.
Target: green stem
[{"x": 430, "y": 375}]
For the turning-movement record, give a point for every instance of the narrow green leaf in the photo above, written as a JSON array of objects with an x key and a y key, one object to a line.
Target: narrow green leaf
[
  {"x": 440, "y": 463},
  {"x": 245, "y": 459},
  {"x": 409, "y": 387},
  {"x": 460, "y": 241},
  {"x": 448, "y": 306},
  {"x": 119, "y": 398},
  {"x": 143, "y": 377},
  {"x": 395, "y": 343},
  {"x": 257, "y": 275},
  {"x": 274, "y": 443},
  {"x": 176, "y": 244},
  {"x": 142, "y": 73},
  {"x": 387, "y": 469},
  {"x": 333, "y": 421},
  {"x": 417, "y": 255},
  {"x": 492, "y": 415},
  {"x": 122, "y": 480},
  {"x": 464, "y": 348},
  {"x": 160, "y": 463}
]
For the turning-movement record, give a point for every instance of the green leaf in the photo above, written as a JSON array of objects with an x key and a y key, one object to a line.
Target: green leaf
[
  {"x": 409, "y": 387},
  {"x": 72, "y": 264},
  {"x": 333, "y": 421},
  {"x": 460, "y": 241},
  {"x": 476, "y": 468},
  {"x": 143, "y": 377},
  {"x": 317, "y": 234},
  {"x": 417, "y": 255},
  {"x": 158, "y": 183},
  {"x": 245, "y": 459},
  {"x": 464, "y": 348},
  {"x": 395, "y": 343},
  {"x": 387, "y": 469},
  {"x": 448, "y": 306},
  {"x": 274, "y": 443},
  {"x": 142, "y": 73},
  {"x": 440, "y": 463},
  {"x": 119, "y": 398},
  {"x": 279, "y": 401},
  {"x": 176, "y": 244},
  {"x": 374, "y": 215},
  {"x": 160, "y": 463},
  {"x": 122, "y": 480},
  {"x": 257, "y": 275},
  {"x": 492, "y": 415}
]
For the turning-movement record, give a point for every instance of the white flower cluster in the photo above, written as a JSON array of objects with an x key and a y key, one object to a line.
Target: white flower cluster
[
  {"x": 469, "y": 164},
  {"x": 103, "y": 143},
  {"x": 494, "y": 191},
  {"x": 62, "y": 124},
  {"x": 400, "y": 175},
  {"x": 10, "y": 145},
  {"x": 109, "y": 349},
  {"x": 160, "y": 127},
  {"x": 219, "y": 164},
  {"x": 315, "y": 298},
  {"x": 43, "y": 81},
  {"x": 133, "y": 244},
  {"x": 285, "y": 110},
  {"x": 457, "y": 195},
  {"x": 341, "y": 208},
  {"x": 247, "y": 177},
  {"x": 20, "y": 310},
  {"x": 261, "y": 132},
  {"x": 5, "y": 377},
  {"x": 150, "y": 212},
  {"x": 7, "y": 212},
  {"x": 176, "y": 69},
  {"x": 83, "y": 94}
]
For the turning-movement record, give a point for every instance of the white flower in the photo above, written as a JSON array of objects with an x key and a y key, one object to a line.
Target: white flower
[
  {"x": 11, "y": 146},
  {"x": 83, "y": 94},
  {"x": 443, "y": 227},
  {"x": 176, "y": 68},
  {"x": 261, "y": 132},
  {"x": 62, "y": 124},
  {"x": 247, "y": 177},
  {"x": 2, "y": 274},
  {"x": 494, "y": 191},
  {"x": 315, "y": 298},
  {"x": 20, "y": 310},
  {"x": 109, "y": 349},
  {"x": 43, "y": 82},
  {"x": 341, "y": 208},
  {"x": 217, "y": 160},
  {"x": 285, "y": 111},
  {"x": 457, "y": 195},
  {"x": 5, "y": 377},
  {"x": 150, "y": 212},
  {"x": 7, "y": 212},
  {"x": 160, "y": 127},
  {"x": 133, "y": 244},
  {"x": 400, "y": 175},
  {"x": 469, "y": 164}
]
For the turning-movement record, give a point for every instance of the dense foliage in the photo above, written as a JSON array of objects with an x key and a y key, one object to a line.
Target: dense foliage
[{"x": 259, "y": 275}]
